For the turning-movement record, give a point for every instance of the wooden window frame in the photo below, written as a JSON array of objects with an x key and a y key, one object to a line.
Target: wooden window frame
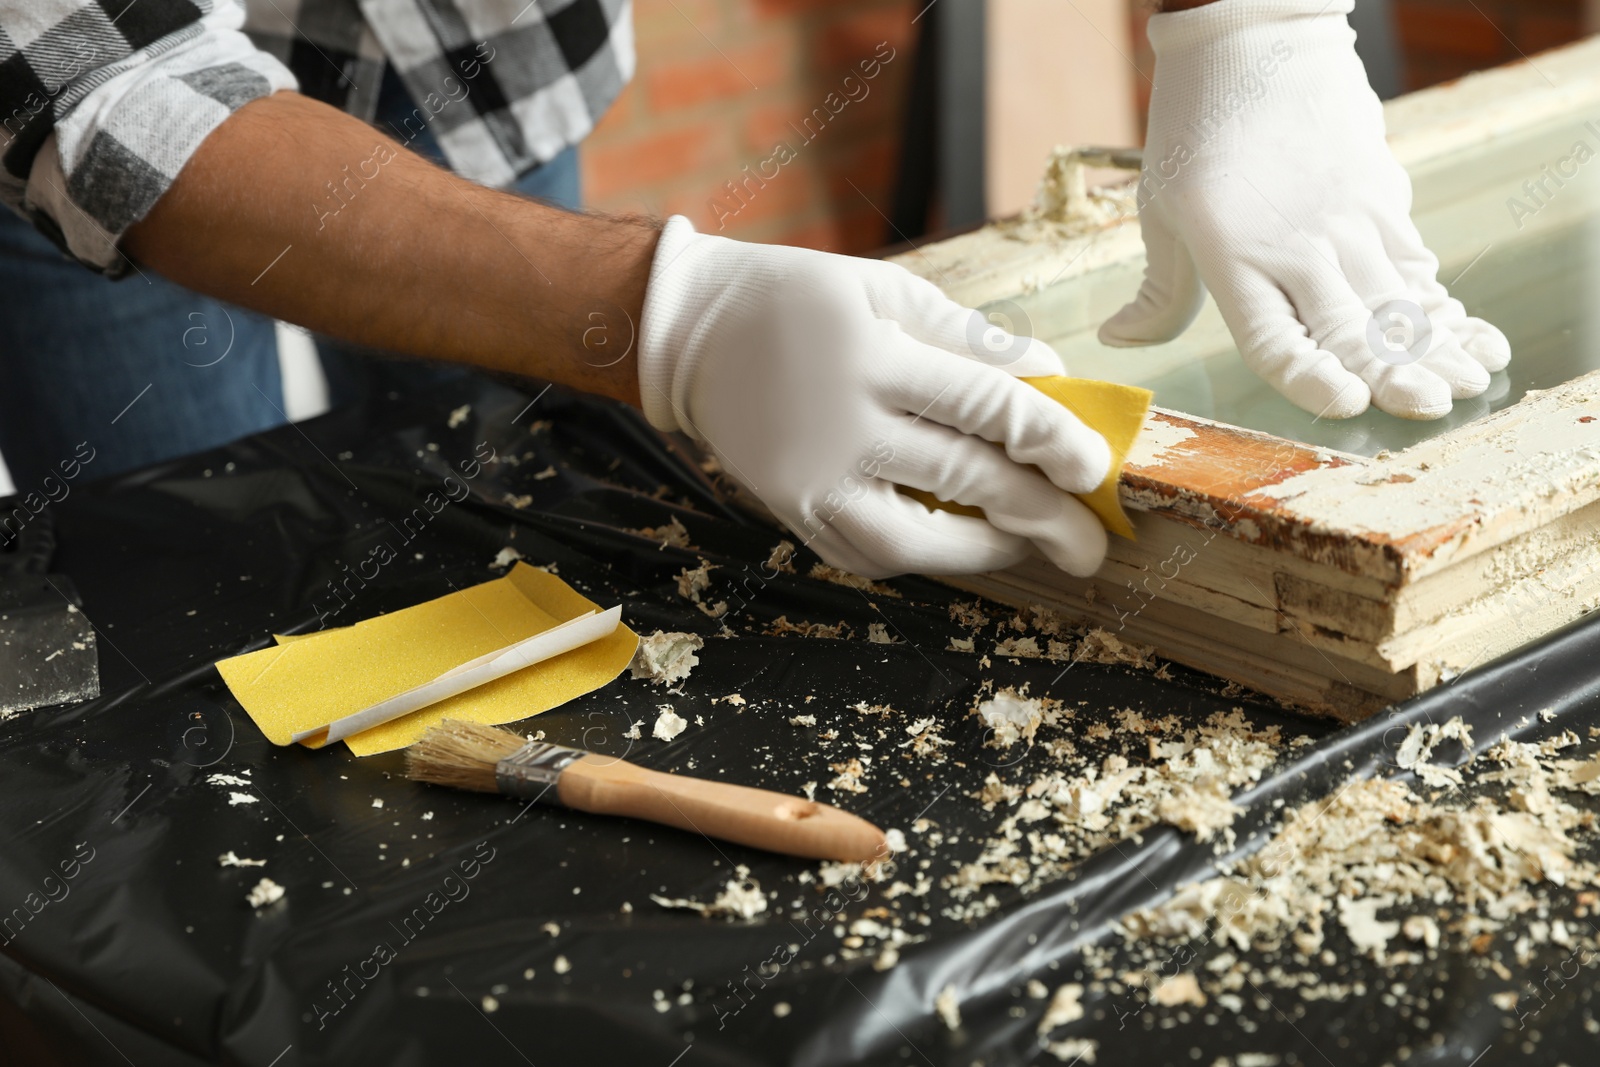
[{"x": 1337, "y": 583}]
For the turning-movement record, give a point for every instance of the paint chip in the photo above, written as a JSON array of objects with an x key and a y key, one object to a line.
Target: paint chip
[
  {"x": 265, "y": 892},
  {"x": 505, "y": 557},
  {"x": 666, "y": 658},
  {"x": 230, "y": 859},
  {"x": 669, "y": 724},
  {"x": 1065, "y": 1007},
  {"x": 740, "y": 898}
]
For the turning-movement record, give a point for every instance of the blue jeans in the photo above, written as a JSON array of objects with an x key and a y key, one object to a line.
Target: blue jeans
[{"x": 145, "y": 370}]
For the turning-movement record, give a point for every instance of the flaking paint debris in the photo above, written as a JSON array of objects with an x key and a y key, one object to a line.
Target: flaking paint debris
[
  {"x": 693, "y": 582},
  {"x": 1464, "y": 864},
  {"x": 1073, "y": 1050},
  {"x": 823, "y": 572},
  {"x": 1164, "y": 773},
  {"x": 740, "y": 898},
  {"x": 666, "y": 658},
  {"x": 264, "y": 892},
  {"x": 781, "y": 626},
  {"x": 671, "y": 534},
  {"x": 669, "y": 724},
  {"x": 230, "y": 859},
  {"x": 848, "y": 774},
  {"x": 1014, "y": 716},
  {"x": 1065, "y": 1006},
  {"x": 781, "y": 558},
  {"x": 1075, "y": 798}
]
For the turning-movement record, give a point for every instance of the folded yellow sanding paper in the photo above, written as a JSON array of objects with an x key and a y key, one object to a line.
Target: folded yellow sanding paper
[
  {"x": 1116, "y": 412},
  {"x": 309, "y": 680}
]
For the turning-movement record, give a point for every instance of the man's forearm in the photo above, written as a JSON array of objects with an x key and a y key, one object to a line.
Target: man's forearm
[{"x": 299, "y": 211}]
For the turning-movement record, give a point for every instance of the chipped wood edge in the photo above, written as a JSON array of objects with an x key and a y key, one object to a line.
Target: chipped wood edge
[{"x": 1399, "y": 518}]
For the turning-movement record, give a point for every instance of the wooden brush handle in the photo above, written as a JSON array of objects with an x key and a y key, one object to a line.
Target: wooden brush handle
[{"x": 759, "y": 818}]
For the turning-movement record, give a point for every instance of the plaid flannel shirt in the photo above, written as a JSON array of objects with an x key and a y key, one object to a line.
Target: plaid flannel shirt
[{"x": 103, "y": 101}]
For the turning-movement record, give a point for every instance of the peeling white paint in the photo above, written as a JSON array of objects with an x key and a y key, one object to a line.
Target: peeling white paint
[
  {"x": 1155, "y": 441},
  {"x": 1512, "y": 472}
]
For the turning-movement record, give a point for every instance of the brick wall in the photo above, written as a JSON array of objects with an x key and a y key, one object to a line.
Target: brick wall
[
  {"x": 742, "y": 118},
  {"x": 1444, "y": 39},
  {"x": 722, "y": 83}
]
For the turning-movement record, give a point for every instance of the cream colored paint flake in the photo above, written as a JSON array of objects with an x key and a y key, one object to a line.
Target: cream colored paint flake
[
  {"x": 231, "y": 859},
  {"x": 1179, "y": 989},
  {"x": 666, "y": 658},
  {"x": 1065, "y": 1007},
  {"x": 669, "y": 724},
  {"x": 1074, "y": 1050},
  {"x": 740, "y": 898},
  {"x": 1012, "y": 716},
  {"x": 264, "y": 892}
]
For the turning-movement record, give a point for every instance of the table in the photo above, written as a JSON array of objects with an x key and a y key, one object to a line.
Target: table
[{"x": 550, "y": 950}]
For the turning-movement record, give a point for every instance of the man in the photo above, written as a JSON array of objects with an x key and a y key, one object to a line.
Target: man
[
  {"x": 820, "y": 382},
  {"x": 504, "y": 108}
]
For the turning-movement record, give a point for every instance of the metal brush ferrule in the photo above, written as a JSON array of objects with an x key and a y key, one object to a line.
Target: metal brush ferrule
[{"x": 531, "y": 772}]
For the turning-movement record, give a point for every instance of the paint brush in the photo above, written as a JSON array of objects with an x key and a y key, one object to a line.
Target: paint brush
[{"x": 487, "y": 759}]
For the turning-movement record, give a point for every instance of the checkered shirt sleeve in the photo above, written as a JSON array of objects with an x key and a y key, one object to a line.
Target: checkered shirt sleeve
[
  {"x": 504, "y": 85},
  {"x": 103, "y": 101}
]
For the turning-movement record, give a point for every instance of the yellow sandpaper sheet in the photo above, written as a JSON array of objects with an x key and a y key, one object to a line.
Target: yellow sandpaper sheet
[
  {"x": 1116, "y": 412},
  {"x": 310, "y": 680}
]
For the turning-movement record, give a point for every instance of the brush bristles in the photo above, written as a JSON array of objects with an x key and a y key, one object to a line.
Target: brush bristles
[{"x": 461, "y": 755}]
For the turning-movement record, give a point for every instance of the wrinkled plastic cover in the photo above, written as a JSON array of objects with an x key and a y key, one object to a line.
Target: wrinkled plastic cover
[{"x": 134, "y": 945}]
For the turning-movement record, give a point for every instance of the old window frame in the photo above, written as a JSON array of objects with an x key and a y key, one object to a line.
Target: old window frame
[{"x": 1337, "y": 583}]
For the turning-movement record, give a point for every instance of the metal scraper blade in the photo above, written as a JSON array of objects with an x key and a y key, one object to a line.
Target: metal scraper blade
[{"x": 47, "y": 646}]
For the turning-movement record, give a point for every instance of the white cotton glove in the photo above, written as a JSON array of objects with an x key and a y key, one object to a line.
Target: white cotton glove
[
  {"x": 1268, "y": 180},
  {"x": 820, "y": 382}
]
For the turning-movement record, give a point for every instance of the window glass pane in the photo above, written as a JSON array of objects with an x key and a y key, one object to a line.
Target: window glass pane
[{"x": 1516, "y": 225}]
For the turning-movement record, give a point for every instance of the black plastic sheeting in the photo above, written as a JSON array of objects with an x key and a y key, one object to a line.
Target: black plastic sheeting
[{"x": 148, "y": 953}]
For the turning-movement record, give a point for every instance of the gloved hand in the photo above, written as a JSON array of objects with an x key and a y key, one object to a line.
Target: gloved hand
[
  {"x": 1267, "y": 179},
  {"x": 820, "y": 382}
]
